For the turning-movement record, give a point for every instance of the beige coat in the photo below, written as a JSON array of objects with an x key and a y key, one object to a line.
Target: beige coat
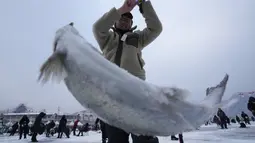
[{"x": 133, "y": 42}]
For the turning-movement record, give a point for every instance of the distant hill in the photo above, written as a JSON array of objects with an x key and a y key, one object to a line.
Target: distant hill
[
  {"x": 21, "y": 108},
  {"x": 237, "y": 103}
]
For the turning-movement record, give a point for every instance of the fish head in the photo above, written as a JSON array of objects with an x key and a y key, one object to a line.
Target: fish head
[
  {"x": 68, "y": 29},
  {"x": 54, "y": 67},
  {"x": 69, "y": 34},
  {"x": 70, "y": 51}
]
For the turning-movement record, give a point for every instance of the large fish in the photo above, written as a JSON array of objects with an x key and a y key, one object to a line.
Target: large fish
[{"x": 117, "y": 97}]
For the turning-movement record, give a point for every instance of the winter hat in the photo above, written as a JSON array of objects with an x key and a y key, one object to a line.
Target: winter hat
[{"x": 128, "y": 15}]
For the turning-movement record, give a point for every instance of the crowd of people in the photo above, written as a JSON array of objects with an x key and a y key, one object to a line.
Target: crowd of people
[
  {"x": 50, "y": 129},
  {"x": 222, "y": 120}
]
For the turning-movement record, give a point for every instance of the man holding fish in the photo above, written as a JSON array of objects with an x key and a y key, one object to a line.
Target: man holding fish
[{"x": 123, "y": 46}]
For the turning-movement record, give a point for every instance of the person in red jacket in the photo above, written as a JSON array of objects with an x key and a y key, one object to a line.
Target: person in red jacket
[{"x": 75, "y": 126}]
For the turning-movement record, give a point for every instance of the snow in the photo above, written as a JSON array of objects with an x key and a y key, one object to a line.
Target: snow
[
  {"x": 9, "y": 124},
  {"x": 210, "y": 134},
  {"x": 236, "y": 104},
  {"x": 71, "y": 123},
  {"x": 80, "y": 124}
]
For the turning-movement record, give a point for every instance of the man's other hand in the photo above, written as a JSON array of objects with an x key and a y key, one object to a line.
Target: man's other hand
[{"x": 127, "y": 6}]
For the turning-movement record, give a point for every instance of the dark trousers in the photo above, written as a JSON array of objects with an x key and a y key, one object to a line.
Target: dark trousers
[
  {"x": 74, "y": 131},
  {"x": 80, "y": 132},
  {"x": 116, "y": 135},
  {"x": 103, "y": 131},
  {"x": 33, "y": 139},
  {"x": 48, "y": 132},
  {"x": 22, "y": 130},
  {"x": 181, "y": 138},
  {"x": 60, "y": 134},
  {"x": 63, "y": 130},
  {"x": 223, "y": 123},
  {"x": 13, "y": 131},
  {"x": 247, "y": 121}
]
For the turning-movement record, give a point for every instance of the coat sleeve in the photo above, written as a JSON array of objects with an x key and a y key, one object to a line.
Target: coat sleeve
[
  {"x": 21, "y": 121},
  {"x": 101, "y": 28},
  {"x": 154, "y": 26},
  {"x": 28, "y": 120}
]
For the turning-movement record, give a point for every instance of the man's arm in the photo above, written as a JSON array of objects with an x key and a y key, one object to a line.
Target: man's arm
[
  {"x": 102, "y": 26},
  {"x": 218, "y": 114},
  {"x": 224, "y": 114},
  {"x": 21, "y": 121},
  {"x": 154, "y": 26}
]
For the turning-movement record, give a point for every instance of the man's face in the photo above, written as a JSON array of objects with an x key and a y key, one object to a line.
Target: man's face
[{"x": 124, "y": 23}]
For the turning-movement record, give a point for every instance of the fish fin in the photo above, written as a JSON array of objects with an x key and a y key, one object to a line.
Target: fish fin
[
  {"x": 53, "y": 68},
  {"x": 222, "y": 84},
  {"x": 214, "y": 94}
]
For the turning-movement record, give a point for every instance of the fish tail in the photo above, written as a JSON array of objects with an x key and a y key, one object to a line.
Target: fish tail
[
  {"x": 53, "y": 68},
  {"x": 214, "y": 94}
]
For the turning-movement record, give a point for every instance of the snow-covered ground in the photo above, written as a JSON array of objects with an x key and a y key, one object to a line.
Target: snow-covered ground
[{"x": 210, "y": 134}]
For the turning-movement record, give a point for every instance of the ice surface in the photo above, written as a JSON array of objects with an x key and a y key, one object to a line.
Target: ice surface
[{"x": 210, "y": 134}]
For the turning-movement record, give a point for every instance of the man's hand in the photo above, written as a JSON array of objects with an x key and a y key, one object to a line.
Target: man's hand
[{"x": 127, "y": 6}]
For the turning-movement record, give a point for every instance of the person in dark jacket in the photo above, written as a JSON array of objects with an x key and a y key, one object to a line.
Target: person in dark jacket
[
  {"x": 228, "y": 120},
  {"x": 238, "y": 119},
  {"x": 62, "y": 127},
  {"x": 14, "y": 128},
  {"x": 75, "y": 125},
  {"x": 174, "y": 138},
  {"x": 253, "y": 119},
  {"x": 223, "y": 118},
  {"x": 181, "y": 138},
  {"x": 103, "y": 129},
  {"x": 245, "y": 118},
  {"x": 216, "y": 120},
  {"x": 251, "y": 105},
  {"x": 38, "y": 127},
  {"x": 49, "y": 126},
  {"x": 23, "y": 127},
  {"x": 84, "y": 128}
]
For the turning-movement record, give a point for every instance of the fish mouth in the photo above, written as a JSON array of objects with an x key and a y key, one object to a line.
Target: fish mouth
[
  {"x": 58, "y": 38},
  {"x": 55, "y": 45},
  {"x": 71, "y": 24}
]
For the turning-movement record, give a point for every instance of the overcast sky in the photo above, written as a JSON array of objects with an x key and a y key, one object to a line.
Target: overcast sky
[{"x": 201, "y": 41}]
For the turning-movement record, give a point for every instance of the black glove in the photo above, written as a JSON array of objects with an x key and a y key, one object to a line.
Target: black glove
[{"x": 140, "y": 4}]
